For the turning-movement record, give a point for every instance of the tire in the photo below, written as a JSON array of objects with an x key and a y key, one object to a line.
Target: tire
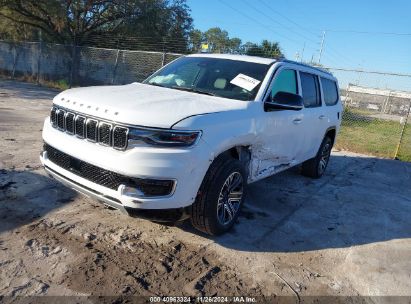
[
  {"x": 316, "y": 166},
  {"x": 213, "y": 212}
]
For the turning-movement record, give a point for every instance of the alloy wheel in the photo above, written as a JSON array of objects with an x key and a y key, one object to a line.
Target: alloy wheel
[
  {"x": 325, "y": 157},
  {"x": 229, "y": 199}
]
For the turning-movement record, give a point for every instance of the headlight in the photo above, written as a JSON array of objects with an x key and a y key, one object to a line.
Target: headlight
[{"x": 164, "y": 138}]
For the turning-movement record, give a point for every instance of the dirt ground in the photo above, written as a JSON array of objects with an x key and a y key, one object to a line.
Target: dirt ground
[{"x": 347, "y": 234}]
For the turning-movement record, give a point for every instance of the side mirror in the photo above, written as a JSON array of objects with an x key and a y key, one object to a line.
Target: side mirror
[{"x": 284, "y": 101}]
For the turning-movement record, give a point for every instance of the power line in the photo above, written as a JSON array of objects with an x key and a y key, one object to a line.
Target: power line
[
  {"x": 285, "y": 17},
  {"x": 310, "y": 30},
  {"x": 334, "y": 30},
  {"x": 340, "y": 56},
  {"x": 256, "y": 21},
  {"x": 303, "y": 36},
  {"x": 274, "y": 20},
  {"x": 367, "y": 71},
  {"x": 368, "y": 32}
]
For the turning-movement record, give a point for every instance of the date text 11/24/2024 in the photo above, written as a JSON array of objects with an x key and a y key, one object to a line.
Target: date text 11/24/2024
[{"x": 204, "y": 299}]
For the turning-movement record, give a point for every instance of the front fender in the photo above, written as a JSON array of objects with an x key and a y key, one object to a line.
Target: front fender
[{"x": 223, "y": 131}]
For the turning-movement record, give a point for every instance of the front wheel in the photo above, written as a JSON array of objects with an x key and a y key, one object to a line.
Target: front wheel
[
  {"x": 220, "y": 197},
  {"x": 316, "y": 166}
]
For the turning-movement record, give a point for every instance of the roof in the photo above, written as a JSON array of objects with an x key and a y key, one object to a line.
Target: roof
[
  {"x": 308, "y": 66},
  {"x": 256, "y": 59},
  {"x": 246, "y": 58}
]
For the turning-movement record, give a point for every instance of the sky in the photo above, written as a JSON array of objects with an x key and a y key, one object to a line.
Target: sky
[{"x": 361, "y": 34}]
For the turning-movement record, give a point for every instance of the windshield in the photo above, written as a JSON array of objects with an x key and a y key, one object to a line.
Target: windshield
[{"x": 226, "y": 78}]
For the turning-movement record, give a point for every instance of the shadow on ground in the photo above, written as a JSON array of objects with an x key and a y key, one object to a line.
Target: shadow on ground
[
  {"x": 25, "y": 90},
  {"x": 359, "y": 201},
  {"x": 26, "y": 196}
]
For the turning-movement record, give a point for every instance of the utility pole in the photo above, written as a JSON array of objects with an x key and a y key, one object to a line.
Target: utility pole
[
  {"x": 39, "y": 56},
  {"x": 321, "y": 47},
  {"x": 302, "y": 53}
]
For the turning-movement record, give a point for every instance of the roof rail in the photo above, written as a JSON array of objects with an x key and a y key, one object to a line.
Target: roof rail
[{"x": 306, "y": 65}]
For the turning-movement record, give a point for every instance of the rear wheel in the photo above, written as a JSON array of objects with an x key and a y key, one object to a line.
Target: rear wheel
[
  {"x": 220, "y": 197},
  {"x": 316, "y": 166}
]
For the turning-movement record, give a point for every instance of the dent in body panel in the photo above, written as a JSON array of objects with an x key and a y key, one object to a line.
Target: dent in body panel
[{"x": 264, "y": 162}]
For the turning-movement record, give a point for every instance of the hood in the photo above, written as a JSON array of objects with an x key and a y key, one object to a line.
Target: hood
[{"x": 143, "y": 105}]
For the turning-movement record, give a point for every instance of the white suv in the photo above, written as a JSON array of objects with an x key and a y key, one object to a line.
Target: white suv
[{"x": 187, "y": 141}]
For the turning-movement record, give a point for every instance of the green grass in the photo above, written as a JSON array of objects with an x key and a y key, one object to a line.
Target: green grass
[
  {"x": 363, "y": 134},
  {"x": 404, "y": 152},
  {"x": 61, "y": 84}
]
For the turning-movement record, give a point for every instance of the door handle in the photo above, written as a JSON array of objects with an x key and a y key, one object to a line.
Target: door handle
[
  {"x": 297, "y": 121},
  {"x": 321, "y": 117}
]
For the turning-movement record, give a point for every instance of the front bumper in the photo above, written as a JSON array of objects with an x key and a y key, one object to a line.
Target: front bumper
[
  {"x": 160, "y": 215},
  {"x": 186, "y": 167},
  {"x": 105, "y": 199}
]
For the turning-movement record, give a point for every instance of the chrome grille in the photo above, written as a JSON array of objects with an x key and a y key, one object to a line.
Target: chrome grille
[
  {"x": 91, "y": 129},
  {"x": 53, "y": 116},
  {"x": 120, "y": 135},
  {"x": 104, "y": 133},
  {"x": 80, "y": 126},
  {"x": 70, "y": 122},
  {"x": 84, "y": 127},
  {"x": 60, "y": 119}
]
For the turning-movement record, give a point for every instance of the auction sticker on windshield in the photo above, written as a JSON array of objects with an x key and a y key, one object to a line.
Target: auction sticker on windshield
[{"x": 245, "y": 82}]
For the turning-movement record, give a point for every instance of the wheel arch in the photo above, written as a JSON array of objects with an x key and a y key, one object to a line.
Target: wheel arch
[
  {"x": 332, "y": 133},
  {"x": 239, "y": 152}
]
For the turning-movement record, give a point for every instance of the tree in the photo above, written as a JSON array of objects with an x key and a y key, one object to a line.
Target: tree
[
  {"x": 196, "y": 39},
  {"x": 75, "y": 21},
  {"x": 234, "y": 45},
  {"x": 12, "y": 31},
  {"x": 217, "y": 39},
  {"x": 265, "y": 49},
  {"x": 164, "y": 24},
  {"x": 65, "y": 21}
]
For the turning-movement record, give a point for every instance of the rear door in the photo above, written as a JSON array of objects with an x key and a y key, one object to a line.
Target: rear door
[
  {"x": 331, "y": 102},
  {"x": 314, "y": 114}
]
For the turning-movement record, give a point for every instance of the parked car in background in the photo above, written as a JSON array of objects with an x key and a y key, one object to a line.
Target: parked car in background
[{"x": 188, "y": 140}]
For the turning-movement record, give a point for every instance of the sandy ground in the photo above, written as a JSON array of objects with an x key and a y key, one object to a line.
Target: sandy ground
[{"x": 347, "y": 234}]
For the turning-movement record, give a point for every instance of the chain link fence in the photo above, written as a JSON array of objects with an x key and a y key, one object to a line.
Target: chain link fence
[
  {"x": 375, "y": 121},
  {"x": 67, "y": 66}
]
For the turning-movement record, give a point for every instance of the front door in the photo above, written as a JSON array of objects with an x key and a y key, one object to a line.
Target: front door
[{"x": 280, "y": 137}]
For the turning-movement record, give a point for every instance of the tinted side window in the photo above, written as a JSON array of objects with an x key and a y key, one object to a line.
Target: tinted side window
[
  {"x": 330, "y": 91},
  {"x": 286, "y": 81},
  {"x": 310, "y": 88}
]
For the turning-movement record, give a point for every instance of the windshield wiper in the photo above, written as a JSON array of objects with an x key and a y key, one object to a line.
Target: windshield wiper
[{"x": 194, "y": 90}]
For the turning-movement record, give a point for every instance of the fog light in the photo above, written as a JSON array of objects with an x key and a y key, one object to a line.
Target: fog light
[
  {"x": 148, "y": 188},
  {"x": 132, "y": 191}
]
